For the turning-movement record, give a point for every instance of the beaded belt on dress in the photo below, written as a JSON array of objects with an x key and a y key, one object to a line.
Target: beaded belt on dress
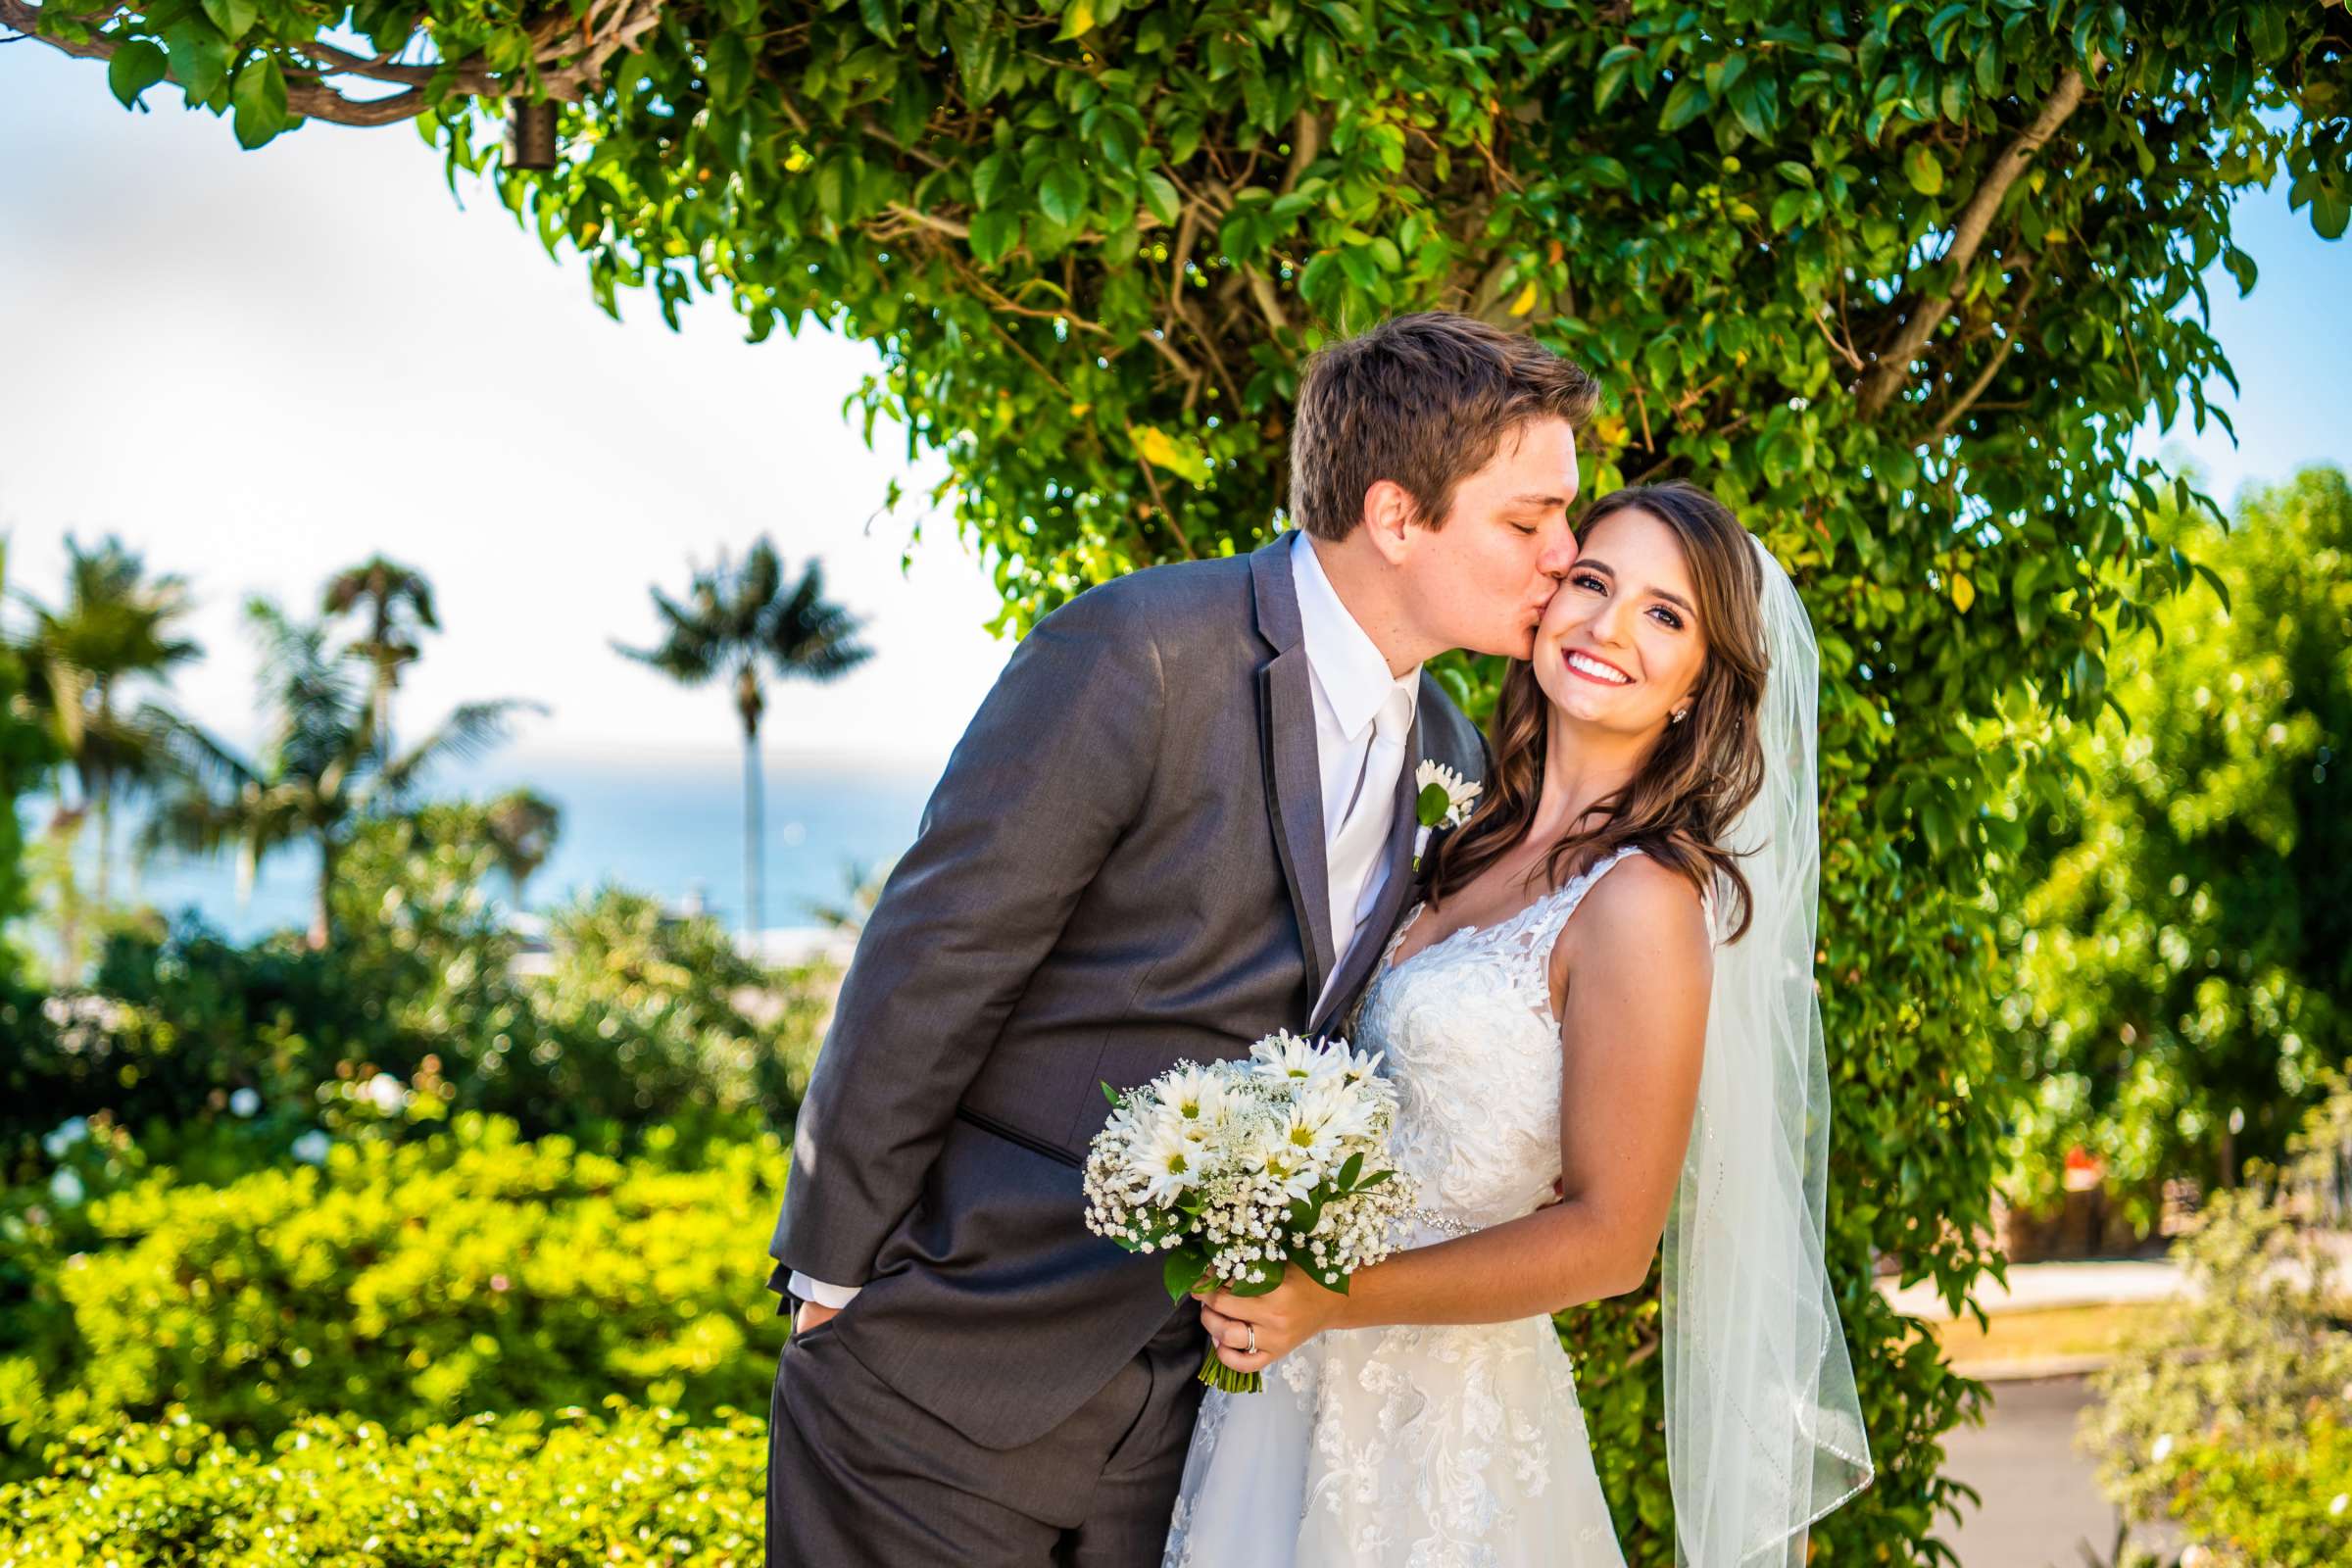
[{"x": 1448, "y": 1223}]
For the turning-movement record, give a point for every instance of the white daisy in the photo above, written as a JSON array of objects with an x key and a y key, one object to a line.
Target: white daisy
[
  {"x": 1167, "y": 1160},
  {"x": 1462, "y": 796}
]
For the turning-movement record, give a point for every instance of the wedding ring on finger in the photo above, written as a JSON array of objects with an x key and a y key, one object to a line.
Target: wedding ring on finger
[{"x": 1252, "y": 1337}]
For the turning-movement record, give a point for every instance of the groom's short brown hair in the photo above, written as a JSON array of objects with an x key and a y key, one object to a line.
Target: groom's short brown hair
[{"x": 1423, "y": 400}]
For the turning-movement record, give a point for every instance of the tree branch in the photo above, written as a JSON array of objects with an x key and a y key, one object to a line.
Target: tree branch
[
  {"x": 569, "y": 56},
  {"x": 1993, "y": 367},
  {"x": 1892, "y": 369}
]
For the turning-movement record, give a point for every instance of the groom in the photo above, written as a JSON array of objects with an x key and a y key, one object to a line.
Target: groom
[{"x": 1183, "y": 818}]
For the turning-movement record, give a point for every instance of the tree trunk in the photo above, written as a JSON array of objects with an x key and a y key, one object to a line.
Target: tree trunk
[
  {"x": 321, "y": 911},
  {"x": 753, "y": 911},
  {"x": 105, "y": 804}
]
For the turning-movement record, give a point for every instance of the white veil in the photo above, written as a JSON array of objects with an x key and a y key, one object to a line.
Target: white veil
[{"x": 1763, "y": 1427}]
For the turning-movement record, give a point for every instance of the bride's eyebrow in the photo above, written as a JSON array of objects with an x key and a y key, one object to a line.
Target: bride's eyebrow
[{"x": 1588, "y": 563}]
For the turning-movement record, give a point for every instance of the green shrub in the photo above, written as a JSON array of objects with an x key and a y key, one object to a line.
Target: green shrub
[
  {"x": 402, "y": 1282},
  {"x": 568, "y": 1490},
  {"x": 2253, "y": 1364},
  {"x": 2273, "y": 1505},
  {"x": 639, "y": 1019}
]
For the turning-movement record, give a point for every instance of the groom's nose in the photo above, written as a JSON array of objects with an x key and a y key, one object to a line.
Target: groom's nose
[{"x": 1558, "y": 555}]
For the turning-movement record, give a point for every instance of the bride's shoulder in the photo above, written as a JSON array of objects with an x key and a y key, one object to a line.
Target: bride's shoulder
[{"x": 1641, "y": 908}]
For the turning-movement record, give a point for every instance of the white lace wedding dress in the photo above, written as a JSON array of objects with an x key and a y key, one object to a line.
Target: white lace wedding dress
[{"x": 1426, "y": 1447}]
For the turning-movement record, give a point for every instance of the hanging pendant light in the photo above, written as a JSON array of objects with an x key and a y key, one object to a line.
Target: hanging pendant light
[{"x": 530, "y": 134}]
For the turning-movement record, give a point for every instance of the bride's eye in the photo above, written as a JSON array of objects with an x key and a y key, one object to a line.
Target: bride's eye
[
  {"x": 1592, "y": 580},
  {"x": 1667, "y": 616}
]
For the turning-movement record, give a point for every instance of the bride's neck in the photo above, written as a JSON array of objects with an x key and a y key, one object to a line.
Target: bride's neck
[{"x": 1582, "y": 766}]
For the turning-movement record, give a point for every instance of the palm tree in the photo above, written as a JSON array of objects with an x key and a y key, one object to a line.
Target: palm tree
[
  {"x": 115, "y": 625},
  {"x": 523, "y": 825},
  {"x": 744, "y": 622},
  {"x": 321, "y": 768},
  {"x": 398, "y": 603}
]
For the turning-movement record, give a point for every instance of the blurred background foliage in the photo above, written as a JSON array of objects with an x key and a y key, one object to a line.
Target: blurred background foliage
[{"x": 2185, "y": 981}]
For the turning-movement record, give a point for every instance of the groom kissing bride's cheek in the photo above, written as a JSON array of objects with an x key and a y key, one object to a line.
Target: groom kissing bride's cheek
[{"x": 1193, "y": 814}]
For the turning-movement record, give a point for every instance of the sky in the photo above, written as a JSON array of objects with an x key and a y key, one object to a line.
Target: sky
[{"x": 258, "y": 368}]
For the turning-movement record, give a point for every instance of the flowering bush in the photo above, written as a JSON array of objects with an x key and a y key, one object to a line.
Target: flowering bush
[
  {"x": 402, "y": 1282},
  {"x": 567, "y": 1490},
  {"x": 2226, "y": 1416},
  {"x": 2273, "y": 1505}
]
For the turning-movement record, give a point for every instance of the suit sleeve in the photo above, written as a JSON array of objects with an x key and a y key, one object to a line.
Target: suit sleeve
[{"x": 1055, "y": 767}]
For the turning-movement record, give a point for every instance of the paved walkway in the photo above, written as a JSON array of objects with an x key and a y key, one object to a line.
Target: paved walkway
[{"x": 2042, "y": 1508}]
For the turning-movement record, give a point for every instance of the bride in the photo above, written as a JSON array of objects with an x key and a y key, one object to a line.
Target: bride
[{"x": 1602, "y": 1028}]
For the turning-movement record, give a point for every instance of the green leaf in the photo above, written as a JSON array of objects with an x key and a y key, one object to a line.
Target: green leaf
[
  {"x": 994, "y": 176},
  {"x": 136, "y": 66},
  {"x": 882, "y": 19},
  {"x": 1181, "y": 455},
  {"x": 1160, "y": 199},
  {"x": 1942, "y": 27},
  {"x": 1077, "y": 20},
  {"x": 2331, "y": 207},
  {"x": 199, "y": 57},
  {"x": 1109, "y": 1093},
  {"x": 729, "y": 69},
  {"x": 1063, "y": 195},
  {"x": 1431, "y": 805},
  {"x": 234, "y": 18},
  {"x": 260, "y": 99},
  {"x": 995, "y": 233},
  {"x": 1921, "y": 170},
  {"x": 1686, "y": 103},
  {"x": 1182, "y": 1269}
]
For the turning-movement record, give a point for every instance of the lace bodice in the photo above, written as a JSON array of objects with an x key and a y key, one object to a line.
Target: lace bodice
[{"x": 1467, "y": 1027}]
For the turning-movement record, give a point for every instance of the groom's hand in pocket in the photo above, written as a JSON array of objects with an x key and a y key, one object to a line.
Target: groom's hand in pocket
[
  {"x": 1285, "y": 1317},
  {"x": 810, "y": 1315}
]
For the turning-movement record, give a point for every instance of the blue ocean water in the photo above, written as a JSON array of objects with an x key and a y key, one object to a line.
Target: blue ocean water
[{"x": 669, "y": 827}]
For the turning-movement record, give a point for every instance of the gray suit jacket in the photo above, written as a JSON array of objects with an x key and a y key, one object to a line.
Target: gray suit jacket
[{"x": 1122, "y": 867}]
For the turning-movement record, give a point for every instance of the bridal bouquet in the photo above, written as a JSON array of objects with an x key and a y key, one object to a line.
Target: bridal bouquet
[{"x": 1238, "y": 1168}]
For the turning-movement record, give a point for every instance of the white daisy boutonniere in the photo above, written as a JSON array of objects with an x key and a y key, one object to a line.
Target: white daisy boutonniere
[{"x": 1443, "y": 799}]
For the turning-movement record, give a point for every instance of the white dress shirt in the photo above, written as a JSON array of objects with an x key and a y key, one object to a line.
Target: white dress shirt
[{"x": 1363, "y": 728}]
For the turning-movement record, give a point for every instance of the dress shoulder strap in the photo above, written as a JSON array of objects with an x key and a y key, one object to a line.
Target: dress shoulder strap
[{"x": 1551, "y": 911}]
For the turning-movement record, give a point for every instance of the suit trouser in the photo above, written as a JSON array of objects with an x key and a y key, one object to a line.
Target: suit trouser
[{"x": 860, "y": 1477}]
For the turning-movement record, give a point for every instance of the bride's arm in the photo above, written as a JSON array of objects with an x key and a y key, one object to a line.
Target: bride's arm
[{"x": 1636, "y": 962}]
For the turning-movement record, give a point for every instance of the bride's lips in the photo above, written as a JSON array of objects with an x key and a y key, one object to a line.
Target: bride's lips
[{"x": 1569, "y": 657}]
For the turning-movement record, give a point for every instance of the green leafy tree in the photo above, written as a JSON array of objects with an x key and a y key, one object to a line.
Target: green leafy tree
[
  {"x": 322, "y": 770},
  {"x": 1897, "y": 282},
  {"x": 2186, "y": 968},
  {"x": 743, "y": 622}
]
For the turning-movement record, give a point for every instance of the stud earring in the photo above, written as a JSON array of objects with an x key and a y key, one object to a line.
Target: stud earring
[{"x": 1679, "y": 714}]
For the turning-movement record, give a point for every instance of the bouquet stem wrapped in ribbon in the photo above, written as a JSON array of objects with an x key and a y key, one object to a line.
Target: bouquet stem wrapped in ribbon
[{"x": 1235, "y": 1171}]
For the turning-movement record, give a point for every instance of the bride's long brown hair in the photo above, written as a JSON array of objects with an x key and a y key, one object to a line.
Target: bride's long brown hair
[{"x": 1700, "y": 773}]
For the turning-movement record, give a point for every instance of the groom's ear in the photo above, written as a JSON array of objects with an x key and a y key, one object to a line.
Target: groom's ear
[{"x": 1389, "y": 512}]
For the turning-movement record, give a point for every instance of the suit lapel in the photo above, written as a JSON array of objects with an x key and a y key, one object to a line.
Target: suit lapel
[
  {"x": 1398, "y": 885},
  {"x": 1285, "y": 707}
]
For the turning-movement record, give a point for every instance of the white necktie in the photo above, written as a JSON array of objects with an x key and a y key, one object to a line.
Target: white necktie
[{"x": 1354, "y": 862}]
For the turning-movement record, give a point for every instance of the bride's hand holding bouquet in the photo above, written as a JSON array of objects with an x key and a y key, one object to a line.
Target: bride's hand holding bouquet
[{"x": 1239, "y": 1172}]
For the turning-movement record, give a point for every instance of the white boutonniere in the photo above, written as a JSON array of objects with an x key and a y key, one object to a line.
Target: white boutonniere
[{"x": 1443, "y": 799}]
